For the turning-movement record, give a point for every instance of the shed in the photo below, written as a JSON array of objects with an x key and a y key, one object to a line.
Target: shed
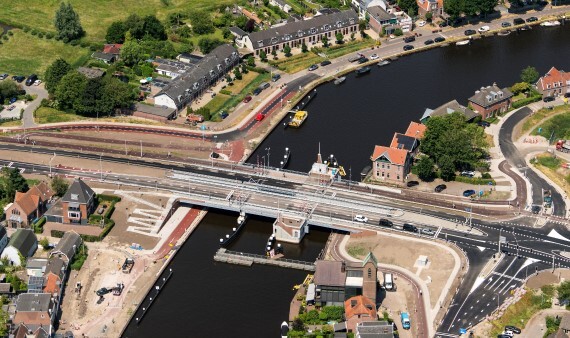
[
  {"x": 156, "y": 113},
  {"x": 22, "y": 243}
]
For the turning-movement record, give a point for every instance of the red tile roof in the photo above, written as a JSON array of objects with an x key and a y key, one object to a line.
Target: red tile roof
[
  {"x": 251, "y": 15},
  {"x": 394, "y": 155},
  {"x": 113, "y": 48},
  {"x": 553, "y": 76},
  {"x": 359, "y": 306},
  {"x": 416, "y": 130},
  {"x": 30, "y": 200},
  {"x": 52, "y": 283}
]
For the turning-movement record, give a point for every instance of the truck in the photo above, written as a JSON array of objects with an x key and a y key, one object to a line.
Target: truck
[
  {"x": 388, "y": 281},
  {"x": 194, "y": 119},
  {"x": 405, "y": 318},
  {"x": 563, "y": 146}
]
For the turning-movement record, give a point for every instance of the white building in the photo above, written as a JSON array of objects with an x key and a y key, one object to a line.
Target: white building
[
  {"x": 290, "y": 229},
  {"x": 281, "y": 4},
  {"x": 23, "y": 243}
]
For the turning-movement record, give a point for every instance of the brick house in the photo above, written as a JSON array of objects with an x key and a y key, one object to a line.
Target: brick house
[
  {"x": 416, "y": 130},
  {"x": 491, "y": 100},
  {"x": 380, "y": 18},
  {"x": 358, "y": 309},
  {"x": 402, "y": 141},
  {"x": 554, "y": 83},
  {"x": 390, "y": 164},
  {"x": 28, "y": 206},
  {"x": 36, "y": 309},
  {"x": 435, "y": 7},
  {"x": 78, "y": 203},
  {"x": 54, "y": 276}
]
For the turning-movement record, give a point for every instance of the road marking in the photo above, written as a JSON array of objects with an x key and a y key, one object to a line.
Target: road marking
[
  {"x": 22, "y": 170},
  {"x": 10, "y": 164},
  {"x": 507, "y": 276}
]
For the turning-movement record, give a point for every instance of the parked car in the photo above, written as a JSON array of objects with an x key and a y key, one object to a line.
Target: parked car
[
  {"x": 532, "y": 19},
  {"x": 428, "y": 231},
  {"x": 18, "y": 78},
  {"x": 467, "y": 173},
  {"x": 325, "y": 63},
  {"x": 247, "y": 99},
  {"x": 259, "y": 117},
  {"x": 31, "y": 79},
  {"x": 257, "y": 91},
  {"x": 513, "y": 328},
  {"x": 361, "y": 218},
  {"x": 548, "y": 99},
  {"x": 506, "y": 24},
  {"x": 313, "y": 67},
  {"x": 518, "y": 21},
  {"x": 443, "y": 24},
  {"x": 38, "y": 82},
  {"x": 102, "y": 291},
  {"x": 536, "y": 209},
  {"x": 439, "y": 39},
  {"x": 483, "y": 124},
  {"x": 412, "y": 184},
  {"x": 275, "y": 77},
  {"x": 12, "y": 100},
  {"x": 484, "y": 29},
  {"x": 374, "y": 57},
  {"x": 421, "y": 23},
  {"x": 264, "y": 85},
  {"x": 428, "y": 42},
  {"x": 440, "y": 188},
  {"x": 385, "y": 223},
  {"x": 224, "y": 114},
  {"x": 468, "y": 193},
  {"x": 409, "y": 39},
  {"x": 410, "y": 227},
  {"x": 3, "y": 76},
  {"x": 362, "y": 60},
  {"x": 408, "y": 47},
  {"x": 470, "y": 32}
]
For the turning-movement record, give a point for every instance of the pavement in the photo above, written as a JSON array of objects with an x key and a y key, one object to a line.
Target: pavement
[{"x": 41, "y": 92}]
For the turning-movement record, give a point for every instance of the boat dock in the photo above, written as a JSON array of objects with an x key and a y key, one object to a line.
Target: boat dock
[{"x": 246, "y": 259}]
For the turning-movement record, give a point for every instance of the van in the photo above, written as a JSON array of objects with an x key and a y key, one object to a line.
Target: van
[
  {"x": 409, "y": 39},
  {"x": 385, "y": 223},
  {"x": 264, "y": 85},
  {"x": 409, "y": 227},
  {"x": 405, "y": 318},
  {"x": 388, "y": 281},
  {"x": 31, "y": 79},
  {"x": 518, "y": 21}
]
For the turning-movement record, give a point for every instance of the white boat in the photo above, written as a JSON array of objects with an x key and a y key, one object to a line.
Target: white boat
[
  {"x": 339, "y": 80},
  {"x": 463, "y": 43},
  {"x": 284, "y": 329},
  {"x": 504, "y": 33},
  {"x": 550, "y": 23},
  {"x": 241, "y": 218},
  {"x": 383, "y": 63}
]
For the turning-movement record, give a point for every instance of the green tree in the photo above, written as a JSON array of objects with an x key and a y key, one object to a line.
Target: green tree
[
  {"x": 287, "y": 50},
  {"x": 263, "y": 56},
  {"x": 153, "y": 27},
  {"x": 118, "y": 94},
  {"x": 205, "y": 112},
  {"x": 425, "y": 168},
  {"x": 58, "y": 69},
  {"x": 201, "y": 22},
  {"x": 520, "y": 87},
  {"x": 116, "y": 32},
  {"x": 304, "y": 48},
  {"x": 362, "y": 27},
  {"x": 398, "y": 32},
  {"x": 59, "y": 185},
  {"x": 131, "y": 52},
  {"x": 298, "y": 324},
  {"x": 250, "y": 61},
  {"x": 13, "y": 181},
  {"x": 207, "y": 44},
  {"x": 453, "y": 8},
  {"x": 529, "y": 75},
  {"x": 274, "y": 53},
  {"x": 135, "y": 26},
  {"x": 8, "y": 89},
  {"x": 410, "y": 6},
  {"x": 429, "y": 16},
  {"x": 352, "y": 37},
  {"x": 487, "y": 6},
  {"x": 67, "y": 22},
  {"x": 446, "y": 168},
  {"x": 44, "y": 242},
  {"x": 69, "y": 91},
  {"x": 564, "y": 291},
  {"x": 325, "y": 41},
  {"x": 184, "y": 32},
  {"x": 237, "y": 73},
  {"x": 339, "y": 38}
]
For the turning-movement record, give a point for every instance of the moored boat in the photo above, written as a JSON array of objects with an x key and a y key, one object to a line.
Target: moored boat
[
  {"x": 362, "y": 70},
  {"x": 463, "y": 43},
  {"x": 284, "y": 329},
  {"x": 339, "y": 80},
  {"x": 298, "y": 119},
  {"x": 504, "y": 33},
  {"x": 550, "y": 23},
  {"x": 286, "y": 157},
  {"x": 383, "y": 63}
]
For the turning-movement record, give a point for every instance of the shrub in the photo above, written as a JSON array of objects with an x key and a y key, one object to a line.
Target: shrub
[
  {"x": 34, "y": 32},
  {"x": 108, "y": 198},
  {"x": 84, "y": 44},
  {"x": 476, "y": 180},
  {"x": 26, "y": 29},
  {"x": 5, "y": 37},
  {"x": 49, "y": 35},
  {"x": 40, "y": 35},
  {"x": 524, "y": 102},
  {"x": 39, "y": 225},
  {"x": 10, "y": 33},
  {"x": 110, "y": 210},
  {"x": 65, "y": 39},
  {"x": 74, "y": 42}
]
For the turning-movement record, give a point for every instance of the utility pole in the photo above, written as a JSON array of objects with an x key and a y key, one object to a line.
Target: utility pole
[
  {"x": 500, "y": 241},
  {"x": 50, "y": 164},
  {"x": 141, "y": 148}
]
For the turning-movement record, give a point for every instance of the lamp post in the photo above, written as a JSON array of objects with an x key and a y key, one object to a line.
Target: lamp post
[
  {"x": 500, "y": 230},
  {"x": 268, "y": 149},
  {"x": 141, "y": 148},
  {"x": 498, "y": 301},
  {"x": 101, "y": 166},
  {"x": 50, "y": 164}
]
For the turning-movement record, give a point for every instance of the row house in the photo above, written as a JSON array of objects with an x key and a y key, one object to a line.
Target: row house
[
  {"x": 491, "y": 100},
  {"x": 554, "y": 83},
  {"x": 294, "y": 34},
  {"x": 435, "y": 7},
  {"x": 28, "y": 206}
]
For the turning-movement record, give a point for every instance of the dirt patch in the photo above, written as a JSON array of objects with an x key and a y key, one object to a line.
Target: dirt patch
[
  {"x": 548, "y": 277},
  {"x": 400, "y": 301}
]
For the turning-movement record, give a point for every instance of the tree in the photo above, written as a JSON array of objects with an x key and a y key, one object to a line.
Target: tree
[
  {"x": 250, "y": 61},
  {"x": 58, "y": 69},
  {"x": 67, "y": 22},
  {"x": 201, "y": 23},
  {"x": 13, "y": 181},
  {"x": 263, "y": 56},
  {"x": 446, "y": 168},
  {"x": 135, "y": 26},
  {"x": 410, "y": 6},
  {"x": 59, "y": 185},
  {"x": 564, "y": 291},
  {"x": 339, "y": 38},
  {"x": 205, "y": 112},
  {"x": 529, "y": 75},
  {"x": 425, "y": 168},
  {"x": 8, "y": 88},
  {"x": 70, "y": 89},
  {"x": 249, "y": 26},
  {"x": 487, "y": 6},
  {"x": 398, "y": 32},
  {"x": 304, "y": 48},
  {"x": 361, "y": 27},
  {"x": 116, "y": 32},
  {"x": 287, "y": 50},
  {"x": 44, "y": 242},
  {"x": 352, "y": 37},
  {"x": 453, "y": 8},
  {"x": 118, "y": 94},
  {"x": 274, "y": 53},
  {"x": 131, "y": 52},
  {"x": 237, "y": 73},
  {"x": 325, "y": 41},
  {"x": 184, "y": 32},
  {"x": 520, "y": 87},
  {"x": 153, "y": 28},
  {"x": 429, "y": 16},
  {"x": 298, "y": 324},
  {"x": 208, "y": 44}
]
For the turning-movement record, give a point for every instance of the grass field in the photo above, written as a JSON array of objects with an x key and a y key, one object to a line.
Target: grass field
[
  {"x": 240, "y": 85},
  {"x": 24, "y": 54},
  {"x": 540, "y": 115},
  {"x": 557, "y": 127},
  {"x": 95, "y": 15},
  {"x": 49, "y": 115}
]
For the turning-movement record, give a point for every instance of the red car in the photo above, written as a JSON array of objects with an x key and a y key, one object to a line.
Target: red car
[
  {"x": 259, "y": 117},
  {"x": 247, "y": 99}
]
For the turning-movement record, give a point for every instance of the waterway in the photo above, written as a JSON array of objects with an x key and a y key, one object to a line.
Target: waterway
[
  {"x": 349, "y": 119},
  {"x": 210, "y": 299}
]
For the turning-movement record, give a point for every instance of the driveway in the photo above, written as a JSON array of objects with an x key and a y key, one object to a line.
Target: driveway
[{"x": 41, "y": 92}]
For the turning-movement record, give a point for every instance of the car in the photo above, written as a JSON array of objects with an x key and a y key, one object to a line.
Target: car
[
  {"x": 548, "y": 99},
  {"x": 313, "y": 67},
  {"x": 428, "y": 231},
  {"x": 360, "y": 218},
  {"x": 532, "y": 19},
  {"x": 412, "y": 184},
  {"x": 484, "y": 29},
  {"x": 257, "y": 91},
  {"x": 470, "y": 32},
  {"x": 18, "y": 78},
  {"x": 421, "y": 23},
  {"x": 38, "y": 82},
  {"x": 505, "y": 24},
  {"x": 503, "y": 336},
  {"x": 325, "y": 63},
  {"x": 483, "y": 124},
  {"x": 102, "y": 291},
  {"x": 514, "y": 329},
  {"x": 409, "y": 227},
  {"x": 362, "y": 60},
  {"x": 385, "y": 223},
  {"x": 443, "y": 24},
  {"x": 409, "y": 39},
  {"x": 440, "y": 188},
  {"x": 264, "y": 85},
  {"x": 259, "y": 117},
  {"x": 3, "y": 76},
  {"x": 518, "y": 21},
  {"x": 12, "y": 100},
  {"x": 392, "y": 36},
  {"x": 224, "y": 114},
  {"x": 567, "y": 95},
  {"x": 31, "y": 79},
  {"x": 408, "y": 47},
  {"x": 508, "y": 333},
  {"x": 275, "y": 77},
  {"x": 468, "y": 193},
  {"x": 374, "y": 57},
  {"x": 439, "y": 39},
  {"x": 536, "y": 209},
  {"x": 466, "y": 173},
  {"x": 247, "y": 99},
  {"x": 428, "y": 42}
]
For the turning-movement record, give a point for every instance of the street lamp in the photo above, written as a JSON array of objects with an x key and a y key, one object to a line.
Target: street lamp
[
  {"x": 50, "y": 164},
  {"x": 141, "y": 148},
  {"x": 101, "y": 166},
  {"x": 500, "y": 230},
  {"x": 268, "y": 149}
]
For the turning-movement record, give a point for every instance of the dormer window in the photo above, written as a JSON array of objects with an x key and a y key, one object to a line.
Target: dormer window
[
  {"x": 500, "y": 94},
  {"x": 274, "y": 40},
  {"x": 260, "y": 43},
  {"x": 299, "y": 34},
  {"x": 74, "y": 197},
  {"x": 327, "y": 27},
  {"x": 313, "y": 30},
  {"x": 489, "y": 98},
  {"x": 351, "y": 20}
]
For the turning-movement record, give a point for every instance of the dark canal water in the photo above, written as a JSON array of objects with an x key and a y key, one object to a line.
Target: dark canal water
[
  {"x": 348, "y": 120},
  {"x": 209, "y": 299}
]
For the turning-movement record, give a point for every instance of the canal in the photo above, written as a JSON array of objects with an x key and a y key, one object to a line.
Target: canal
[
  {"x": 349, "y": 119},
  {"x": 209, "y": 299}
]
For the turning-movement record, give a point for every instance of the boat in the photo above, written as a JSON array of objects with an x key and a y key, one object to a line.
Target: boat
[
  {"x": 339, "y": 80},
  {"x": 383, "y": 63},
  {"x": 286, "y": 158},
  {"x": 363, "y": 70},
  {"x": 504, "y": 33},
  {"x": 229, "y": 237},
  {"x": 463, "y": 43},
  {"x": 332, "y": 163},
  {"x": 270, "y": 244},
  {"x": 241, "y": 218},
  {"x": 550, "y": 23},
  {"x": 284, "y": 329},
  {"x": 298, "y": 119},
  {"x": 525, "y": 28}
]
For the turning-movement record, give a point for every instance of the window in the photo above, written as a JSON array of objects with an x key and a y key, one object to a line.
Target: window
[
  {"x": 387, "y": 166},
  {"x": 382, "y": 165},
  {"x": 369, "y": 273},
  {"x": 382, "y": 174},
  {"x": 15, "y": 212},
  {"x": 72, "y": 214},
  {"x": 296, "y": 233}
]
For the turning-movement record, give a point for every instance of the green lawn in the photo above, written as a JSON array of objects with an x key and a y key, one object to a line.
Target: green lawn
[
  {"x": 24, "y": 53},
  {"x": 49, "y": 115},
  {"x": 558, "y": 127},
  {"x": 95, "y": 15}
]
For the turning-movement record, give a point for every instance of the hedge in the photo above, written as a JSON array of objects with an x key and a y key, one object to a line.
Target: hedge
[
  {"x": 108, "y": 198},
  {"x": 39, "y": 225},
  {"x": 477, "y": 180},
  {"x": 526, "y": 101},
  {"x": 89, "y": 238},
  {"x": 109, "y": 211}
]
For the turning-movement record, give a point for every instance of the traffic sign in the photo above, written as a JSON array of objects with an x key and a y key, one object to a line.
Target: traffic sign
[
  {"x": 462, "y": 331},
  {"x": 502, "y": 239}
]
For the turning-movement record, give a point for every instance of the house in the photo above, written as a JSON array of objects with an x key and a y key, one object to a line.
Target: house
[
  {"x": 435, "y": 7},
  {"x": 30, "y": 331},
  {"x": 77, "y": 203},
  {"x": 23, "y": 243},
  {"x": 358, "y": 309},
  {"x": 36, "y": 309},
  {"x": 28, "y": 206},
  {"x": 91, "y": 73},
  {"x": 416, "y": 130},
  {"x": 380, "y": 19},
  {"x": 113, "y": 49},
  {"x": 155, "y": 113},
  {"x": 250, "y": 15},
  {"x": 491, "y": 100},
  {"x": 554, "y": 83},
  {"x": 448, "y": 108},
  {"x": 54, "y": 276},
  {"x": 285, "y": 7},
  {"x": 288, "y": 228},
  {"x": 237, "y": 32},
  {"x": 390, "y": 164},
  {"x": 361, "y": 6},
  {"x": 404, "y": 20},
  {"x": 6, "y": 289},
  {"x": 170, "y": 68},
  {"x": 408, "y": 143},
  {"x": 67, "y": 246},
  {"x": 36, "y": 266},
  {"x": 294, "y": 34},
  {"x": 106, "y": 58},
  {"x": 376, "y": 329},
  {"x": 187, "y": 87}
]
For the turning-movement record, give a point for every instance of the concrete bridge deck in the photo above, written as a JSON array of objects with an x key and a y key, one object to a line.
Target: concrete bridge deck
[{"x": 242, "y": 258}]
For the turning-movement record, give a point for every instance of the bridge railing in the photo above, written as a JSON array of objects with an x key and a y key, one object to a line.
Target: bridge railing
[{"x": 256, "y": 256}]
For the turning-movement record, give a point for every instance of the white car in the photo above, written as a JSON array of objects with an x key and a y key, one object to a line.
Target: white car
[
  {"x": 428, "y": 231},
  {"x": 392, "y": 36},
  {"x": 374, "y": 57},
  {"x": 484, "y": 29},
  {"x": 421, "y": 23},
  {"x": 360, "y": 218},
  {"x": 37, "y": 83}
]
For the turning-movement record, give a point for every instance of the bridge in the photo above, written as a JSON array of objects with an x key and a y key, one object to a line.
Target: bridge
[{"x": 247, "y": 259}]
